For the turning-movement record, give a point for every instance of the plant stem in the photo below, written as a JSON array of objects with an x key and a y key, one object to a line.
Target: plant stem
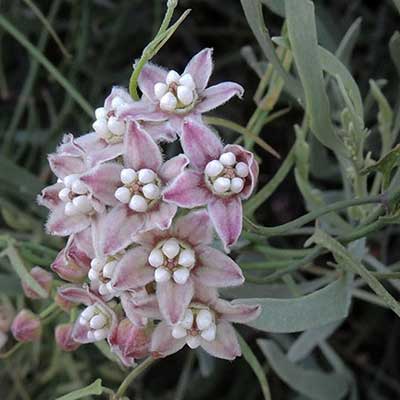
[
  {"x": 132, "y": 375},
  {"x": 311, "y": 216}
]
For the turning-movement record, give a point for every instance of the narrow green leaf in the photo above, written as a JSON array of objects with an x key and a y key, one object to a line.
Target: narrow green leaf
[
  {"x": 397, "y": 4},
  {"x": 300, "y": 13},
  {"x": 348, "y": 42},
  {"x": 93, "y": 389},
  {"x": 13, "y": 31},
  {"x": 343, "y": 256},
  {"x": 255, "y": 365},
  {"x": 253, "y": 12},
  {"x": 311, "y": 311},
  {"x": 394, "y": 47},
  {"x": 19, "y": 267},
  {"x": 314, "y": 384}
]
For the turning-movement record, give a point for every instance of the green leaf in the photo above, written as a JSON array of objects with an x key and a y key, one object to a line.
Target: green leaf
[
  {"x": 309, "y": 340},
  {"x": 300, "y": 13},
  {"x": 253, "y": 12},
  {"x": 348, "y": 42},
  {"x": 93, "y": 389},
  {"x": 385, "y": 165},
  {"x": 394, "y": 47},
  {"x": 344, "y": 258},
  {"x": 311, "y": 311},
  {"x": 314, "y": 384},
  {"x": 255, "y": 365}
]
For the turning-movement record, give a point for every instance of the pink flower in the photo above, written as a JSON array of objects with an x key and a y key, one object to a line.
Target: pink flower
[
  {"x": 43, "y": 278},
  {"x": 174, "y": 96},
  {"x": 73, "y": 261},
  {"x": 71, "y": 200},
  {"x": 139, "y": 187},
  {"x": 130, "y": 342},
  {"x": 221, "y": 177},
  {"x": 176, "y": 259},
  {"x": 206, "y": 323},
  {"x": 96, "y": 322},
  {"x": 26, "y": 327},
  {"x": 64, "y": 339}
]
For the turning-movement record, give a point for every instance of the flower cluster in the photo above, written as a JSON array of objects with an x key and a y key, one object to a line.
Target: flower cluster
[{"x": 148, "y": 278}]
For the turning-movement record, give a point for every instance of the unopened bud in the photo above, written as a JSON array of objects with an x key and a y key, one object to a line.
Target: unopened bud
[
  {"x": 43, "y": 278},
  {"x": 26, "y": 327},
  {"x": 63, "y": 336}
]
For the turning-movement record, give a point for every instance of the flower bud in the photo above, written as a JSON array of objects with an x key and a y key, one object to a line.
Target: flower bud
[
  {"x": 71, "y": 263},
  {"x": 26, "y": 327},
  {"x": 63, "y": 335},
  {"x": 129, "y": 341},
  {"x": 43, "y": 278}
]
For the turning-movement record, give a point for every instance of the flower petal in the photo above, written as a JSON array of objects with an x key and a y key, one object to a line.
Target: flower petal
[
  {"x": 226, "y": 215},
  {"x": 63, "y": 165},
  {"x": 61, "y": 225},
  {"x": 217, "y": 95},
  {"x": 200, "y": 67},
  {"x": 103, "y": 181},
  {"x": 106, "y": 153},
  {"x": 235, "y": 311},
  {"x": 195, "y": 227},
  {"x": 80, "y": 332},
  {"x": 163, "y": 343},
  {"x": 160, "y": 131},
  {"x": 188, "y": 190},
  {"x": 160, "y": 217},
  {"x": 49, "y": 196},
  {"x": 173, "y": 167},
  {"x": 138, "y": 306},
  {"x": 77, "y": 295},
  {"x": 118, "y": 229},
  {"x": 200, "y": 143},
  {"x": 133, "y": 270},
  {"x": 225, "y": 345},
  {"x": 140, "y": 149},
  {"x": 149, "y": 76},
  {"x": 143, "y": 110},
  {"x": 215, "y": 269},
  {"x": 173, "y": 299},
  {"x": 117, "y": 91}
]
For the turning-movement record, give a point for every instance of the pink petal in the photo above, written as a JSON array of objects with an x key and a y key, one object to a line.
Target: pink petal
[
  {"x": 140, "y": 149},
  {"x": 107, "y": 153},
  {"x": 226, "y": 215},
  {"x": 217, "y": 95},
  {"x": 143, "y": 110},
  {"x": 49, "y": 196},
  {"x": 138, "y": 306},
  {"x": 133, "y": 270},
  {"x": 248, "y": 158},
  {"x": 76, "y": 295},
  {"x": 200, "y": 143},
  {"x": 83, "y": 241},
  {"x": 61, "y": 225},
  {"x": 63, "y": 165},
  {"x": 225, "y": 345},
  {"x": 188, "y": 190},
  {"x": 103, "y": 181},
  {"x": 200, "y": 67},
  {"x": 151, "y": 238},
  {"x": 163, "y": 343},
  {"x": 215, "y": 269},
  {"x": 117, "y": 91},
  {"x": 195, "y": 227},
  {"x": 80, "y": 332},
  {"x": 118, "y": 229},
  {"x": 173, "y": 167},
  {"x": 149, "y": 76},
  {"x": 160, "y": 217},
  {"x": 205, "y": 294},
  {"x": 88, "y": 143},
  {"x": 160, "y": 131},
  {"x": 173, "y": 299},
  {"x": 235, "y": 311}
]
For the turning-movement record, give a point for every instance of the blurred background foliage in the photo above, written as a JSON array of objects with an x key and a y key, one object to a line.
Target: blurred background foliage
[{"x": 100, "y": 40}]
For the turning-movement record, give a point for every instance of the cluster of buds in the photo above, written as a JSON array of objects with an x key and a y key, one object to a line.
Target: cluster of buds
[{"x": 146, "y": 273}]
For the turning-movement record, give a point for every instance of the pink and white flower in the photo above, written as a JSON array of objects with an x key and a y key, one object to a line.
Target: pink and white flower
[
  {"x": 139, "y": 186},
  {"x": 206, "y": 323},
  {"x": 221, "y": 177},
  {"x": 174, "y": 96},
  {"x": 176, "y": 259}
]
